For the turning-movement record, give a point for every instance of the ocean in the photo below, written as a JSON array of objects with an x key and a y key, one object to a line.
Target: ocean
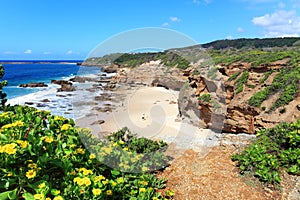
[{"x": 33, "y": 71}]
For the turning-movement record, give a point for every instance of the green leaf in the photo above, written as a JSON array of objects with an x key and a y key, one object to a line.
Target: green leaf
[
  {"x": 12, "y": 194},
  {"x": 115, "y": 173},
  {"x": 28, "y": 196}
]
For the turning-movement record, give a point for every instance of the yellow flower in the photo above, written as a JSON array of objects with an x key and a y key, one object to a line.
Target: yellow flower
[
  {"x": 79, "y": 150},
  {"x": 99, "y": 178},
  {"x": 87, "y": 181},
  {"x": 30, "y": 174},
  {"x": 32, "y": 165},
  {"x": 65, "y": 127},
  {"x": 9, "y": 148},
  {"x": 96, "y": 191},
  {"x": 170, "y": 193},
  {"x": 121, "y": 142},
  {"x": 154, "y": 198},
  {"x": 142, "y": 190},
  {"x": 59, "y": 118},
  {"x": 87, "y": 172},
  {"x": 73, "y": 145},
  {"x": 42, "y": 185},
  {"x": 48, "y": 139},
  {"x": 109, "y": 192},
  {"x": 58, "y": 198},
  {"x": 22, "y": 143},
  {"x": 80, "y": 182},
  {"x": 125, "y": 149},
  {"x": 92, "y": 156},
  {"x": 113, "y": 184},
  {"x": 144, "y": 169},
  {"x": 17, "y": 123},
  {"x": 38, "y": 196},
  {"x": 105, "y": 182},
  {"x": 144, "y": 183},
  {"x": 115, "y": 144},
  {"x": 48, "y": 198},
  {"x": 9, "y": 174}
]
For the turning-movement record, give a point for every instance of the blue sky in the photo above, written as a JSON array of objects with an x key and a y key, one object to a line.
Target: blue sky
[{"x": 70, "y": 29}]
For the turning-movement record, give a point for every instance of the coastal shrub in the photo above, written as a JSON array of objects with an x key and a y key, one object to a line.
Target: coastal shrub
[
  {"x": 266, "y": 76},
  {"x": 286, "y": 83},
  {"x": 42, "y": 156},
  {"x": 274, "y": 149},
  {"x": 257, "y": 99},
  {"x": 241, "y": 82},
  {"x": 205, "y": 98},
  {"x": 3, "y": 83},
  {"x": 234, "y": 76}
]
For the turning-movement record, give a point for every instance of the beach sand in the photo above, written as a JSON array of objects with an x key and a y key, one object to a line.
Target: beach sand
[{"x": 150, "y": 112}]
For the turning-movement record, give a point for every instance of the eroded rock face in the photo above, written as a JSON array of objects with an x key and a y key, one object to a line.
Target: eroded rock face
[
  {"x": 227, "y": 111},
  {"x": 239, "y": 116},
  {"x": 39, "y": 84}
]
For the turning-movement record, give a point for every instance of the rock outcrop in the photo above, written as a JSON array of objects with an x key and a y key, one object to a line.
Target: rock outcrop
[
  {"x": 33, "y": 85},
  {"x": 66, "y": 86}
]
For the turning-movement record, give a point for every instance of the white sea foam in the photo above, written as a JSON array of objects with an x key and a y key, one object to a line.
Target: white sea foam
[{"x": 69, "y": 104}]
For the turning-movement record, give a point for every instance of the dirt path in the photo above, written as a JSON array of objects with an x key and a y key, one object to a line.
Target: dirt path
[{"x": 212, "y": 177}]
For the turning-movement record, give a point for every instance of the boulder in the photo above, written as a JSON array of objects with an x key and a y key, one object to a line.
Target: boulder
[{"x": 66, "y": 86}]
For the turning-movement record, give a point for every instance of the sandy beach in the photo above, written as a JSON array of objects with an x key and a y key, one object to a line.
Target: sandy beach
[{"x": 150, "y": 112}]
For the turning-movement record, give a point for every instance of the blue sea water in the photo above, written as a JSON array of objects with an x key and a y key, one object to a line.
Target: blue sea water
[{"x": 17, "y": 74}]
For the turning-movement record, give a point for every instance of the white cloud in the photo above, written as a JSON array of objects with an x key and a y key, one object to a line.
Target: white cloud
[
  {"x": 279, "y": 24},
  {"x": 175, "y": 19},
  {"x": 47, "y": 53},
  {"x": 166, "y": 24},
  {"x": 28, "y": 51},
  {"x": 240, "y": 30}
]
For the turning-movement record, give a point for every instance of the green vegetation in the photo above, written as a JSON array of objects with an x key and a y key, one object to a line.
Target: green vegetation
[
  {"x": 103, "y": 61},
  {"x": 234, "y": 76},
  {"x": 241, "y": 82},
  {"x": 254, "y": 56},
  {"x": 205, "y": 98},
  {"x": 212, "y": 72},
  {"x": 257, "y": 99},
  {"x": 286, "y": 82},
  {"x": 42, "y": 156},
  {"x": 266, "y": 76},
  {"x": 168, "y": 58},
  {"x": 274, "y": 149},
  {"x": 253, "y": 43}
]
